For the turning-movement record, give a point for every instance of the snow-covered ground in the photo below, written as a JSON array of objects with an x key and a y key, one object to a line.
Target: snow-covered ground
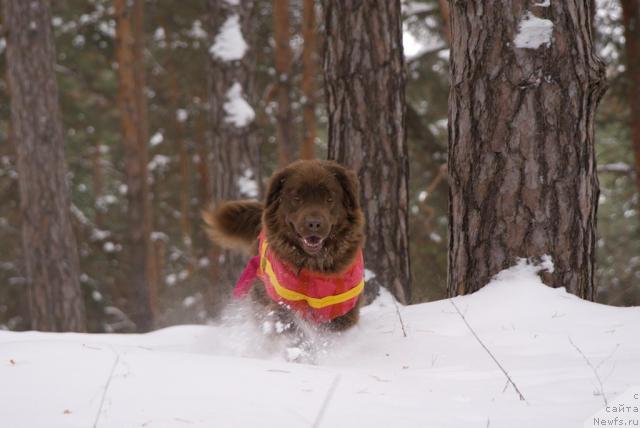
[{"x": 566, "y": 356}]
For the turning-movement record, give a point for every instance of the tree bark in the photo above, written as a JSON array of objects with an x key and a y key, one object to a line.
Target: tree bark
[
  {"x": 185, "y": 166},
  {"x": 50, "y": 251},
  {"x": 446, "y": 25},
  {"x": 522, "y": 166},
  {"x": 309, "y": 70},
  {"x": 631, "y": 18},
  {"x": 205, "y": 193},
  {"x": 98, "y": 183},
  {"x": 132, "y": 106},
  {"x": 284, "y": 130},
  {"x": 365, "y": 83},
  {"x": 234, "y": 146},
  {"x": 143, "y": 138}
]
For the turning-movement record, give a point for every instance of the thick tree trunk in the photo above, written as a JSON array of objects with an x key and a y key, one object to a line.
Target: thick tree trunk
[
  {"x": 631, "y": 17},
  {"x": 50, "y": 252},
  {"x": 522, "y": 163},
  {"x": 365, "y": 83},
  {"x": 309, "y": 70},
  {"x": 135, "y": 136},
  {"x": 234, "y": 146},
  {"x": 284, "y": 127}
]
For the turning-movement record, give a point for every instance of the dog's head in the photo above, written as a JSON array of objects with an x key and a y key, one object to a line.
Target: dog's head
[{"x": 312, "y": 215}]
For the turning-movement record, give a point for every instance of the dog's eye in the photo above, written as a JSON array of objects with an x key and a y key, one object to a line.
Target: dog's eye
[
  {"x": 296, "y": 199},
  {"x": 330, "y": 200}
]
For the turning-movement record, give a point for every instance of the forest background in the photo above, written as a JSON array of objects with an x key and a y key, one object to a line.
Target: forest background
[{"x": 176, "y": 52}]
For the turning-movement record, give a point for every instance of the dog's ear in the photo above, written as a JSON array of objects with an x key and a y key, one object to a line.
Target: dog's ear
[
  {"x": 348, "y": 181},
  {"x": 276, "y": 184}
]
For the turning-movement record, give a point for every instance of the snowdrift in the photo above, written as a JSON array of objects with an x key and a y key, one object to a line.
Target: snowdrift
[{"x": 566, "y": 356}]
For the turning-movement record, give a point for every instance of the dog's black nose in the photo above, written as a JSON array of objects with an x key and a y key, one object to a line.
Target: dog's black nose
[{"x": 314, "y": 223}]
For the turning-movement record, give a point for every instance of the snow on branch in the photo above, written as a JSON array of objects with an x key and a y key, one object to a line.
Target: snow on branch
[
  {"x": 238, "y": 110},
  {"x": 229, "y": 44}
]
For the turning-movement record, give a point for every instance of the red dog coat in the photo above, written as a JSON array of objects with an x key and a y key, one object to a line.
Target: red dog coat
[{"x": 315, "y": 296}]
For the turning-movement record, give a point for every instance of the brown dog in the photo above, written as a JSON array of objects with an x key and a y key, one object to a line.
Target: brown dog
[{"x": 311, "y": 219}]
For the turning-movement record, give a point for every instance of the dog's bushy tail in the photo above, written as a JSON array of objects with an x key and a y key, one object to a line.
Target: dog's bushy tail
[{"x": 235, "y": 225}]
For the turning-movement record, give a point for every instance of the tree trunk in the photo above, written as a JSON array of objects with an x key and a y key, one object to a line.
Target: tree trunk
[
  {"x": 284, "y": 126},
  {"x": 365, "y": 83},
  {"x": 205, "y": 193},
  {"x": 235, "y": 149},
  {"x": 309, "y": 70},
  {"x": 522, "y": 163},
  {"x": 185, "y": 166},
  {"x": 50, "y": 251},
  {"x": 98, "y": 184},
  {"x": 631, "y": 17},
  {"x": 135, "y": 136},
  {"x": 143, "y": 139},
  {"x": 446, "y": 25}
]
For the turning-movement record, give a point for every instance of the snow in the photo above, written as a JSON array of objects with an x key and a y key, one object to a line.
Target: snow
[
  {"x": 616, "y": 167},
  {"x": 571, "y": 359},
  {"x": 413, "y": 8},
  {"x": 182, "y": 115},
  {"x": 238, "y": 110},
  {"x": 197, "y": 32},
  {"x": 411, "y": 45},
  {"x": 108, "y": 28},
  {"x": 159, "y": 162},
  {"x": 414, "y": 46},
  {"x": 247, "y": 184},
  {"x": 533, "y": 32},
  {"x": 109, "y": 247},
  {"x": 159, "y": 236},
  {"x": 159, "y": 35},
  {"x": 156, "y": 139},
  {"x": 99, "y": 235},
  {"x": 369, "y": 275},
  {"x": 435, "y": 237},
  {"x": 229, "y": 44}
]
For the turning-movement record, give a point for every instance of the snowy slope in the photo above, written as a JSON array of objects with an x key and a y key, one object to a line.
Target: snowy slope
[{"x": 565, "y": 355}]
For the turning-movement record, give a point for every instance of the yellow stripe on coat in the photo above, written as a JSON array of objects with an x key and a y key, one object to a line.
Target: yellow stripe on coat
[{"x": 314, "y": 302}]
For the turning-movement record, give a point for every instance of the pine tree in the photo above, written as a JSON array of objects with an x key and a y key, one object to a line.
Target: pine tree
[
  {"x": 522, "y": 164},
  {"x": 234, "y": 146},
  {"x": 50, "y": 253},
  {"x": 133, "y": 110},
  {"x": 309, "y": 70},
  {"x": 365, "y": 83},
  {"x": 631, "y": 18},
  {"x": 282, "y": 34}
]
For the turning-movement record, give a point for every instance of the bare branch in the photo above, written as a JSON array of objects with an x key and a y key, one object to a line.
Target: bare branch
[
  {"x": 106, "y": 387},
  {"x": 326, "y": 401},
  {"x": 594, "y": 370},
  {"x": 488, "y": 351}
]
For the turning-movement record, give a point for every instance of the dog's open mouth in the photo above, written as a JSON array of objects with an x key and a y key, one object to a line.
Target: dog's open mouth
[{"x": 312, "y": 244}]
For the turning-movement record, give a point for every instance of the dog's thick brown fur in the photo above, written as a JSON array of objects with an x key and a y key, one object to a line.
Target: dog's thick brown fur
[{"x": 311, "y": 218}]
